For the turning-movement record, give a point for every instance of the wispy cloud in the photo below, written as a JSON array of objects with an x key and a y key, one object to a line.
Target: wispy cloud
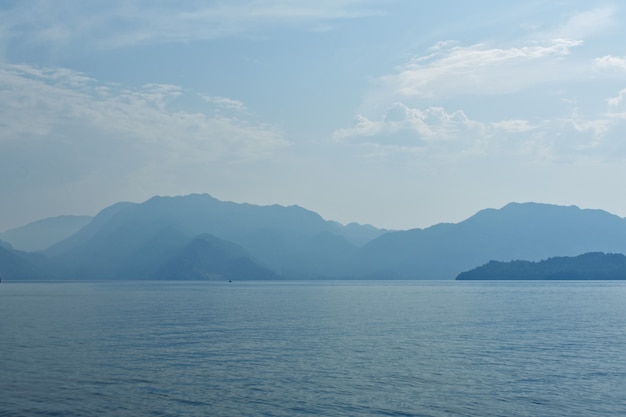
[
  {"x": 450, "y": 68},
  {"x": 610, "y": 62},
  {"x": 37, "y": 103},
  {"x": 119, "y": 23},
  {"x": 224, "y": 102},
  {"x": 584, "y": 24}
]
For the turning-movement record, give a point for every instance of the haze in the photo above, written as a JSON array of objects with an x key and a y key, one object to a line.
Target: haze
[{"x": 400, "y": 114}]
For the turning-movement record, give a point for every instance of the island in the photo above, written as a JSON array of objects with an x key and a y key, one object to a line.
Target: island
[{"x": 588, "y": 266}]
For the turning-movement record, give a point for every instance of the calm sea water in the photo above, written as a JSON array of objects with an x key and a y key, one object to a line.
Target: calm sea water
[{"x": 313, "y": 349}]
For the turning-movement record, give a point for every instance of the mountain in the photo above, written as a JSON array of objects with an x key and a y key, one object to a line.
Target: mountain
[
  {"x": 588, "y": 266},
  {"x": 17, "y": 265},
  {"x": 6, "y": 245},
  {"x": 39, "y": 235},
  {"x": 127, "y": 240},
  {"x": 529, "y": 231},
  {"x": 207, "y": 257}
]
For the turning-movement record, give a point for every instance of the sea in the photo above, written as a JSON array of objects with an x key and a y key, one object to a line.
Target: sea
[{"x": 313, "y": 348}]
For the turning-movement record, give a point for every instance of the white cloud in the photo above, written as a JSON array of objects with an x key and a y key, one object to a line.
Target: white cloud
[
  {"x": 479, "y": 69},
  {"x": 615, "y": 102},
  {"x": 435, "y": 132},
  {"x": 432, "y": 131},
  {"x": 412, "y": 126}
]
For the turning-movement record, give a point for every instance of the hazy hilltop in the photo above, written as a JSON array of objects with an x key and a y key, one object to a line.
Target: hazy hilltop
[
  {"x": 41, "y": 234},
  {"x": 200, "y": 237}
]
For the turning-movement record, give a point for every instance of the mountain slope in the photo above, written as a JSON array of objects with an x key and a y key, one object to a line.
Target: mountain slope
[
  {"x": 87, "y": 232},
  {"x": 39, "y": 235},
  {"x": 517, "y": 231},
  {"x": 16, "y": 265}
]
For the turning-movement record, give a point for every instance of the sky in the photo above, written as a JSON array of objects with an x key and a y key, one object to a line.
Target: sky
[{"x": 395, "y": 113}]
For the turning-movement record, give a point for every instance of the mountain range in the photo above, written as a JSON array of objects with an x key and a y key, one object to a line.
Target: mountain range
[{"x": 200, "y": 237}]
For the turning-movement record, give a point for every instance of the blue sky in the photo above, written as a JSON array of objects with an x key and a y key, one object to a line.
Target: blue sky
[{"x": 396, "y": 113}]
